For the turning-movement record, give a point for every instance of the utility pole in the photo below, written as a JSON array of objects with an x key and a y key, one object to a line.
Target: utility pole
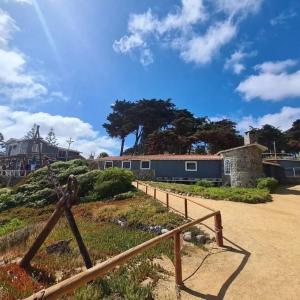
[
  {"x": 274, "y": 143},
  {"x": 69, "y": 142}
]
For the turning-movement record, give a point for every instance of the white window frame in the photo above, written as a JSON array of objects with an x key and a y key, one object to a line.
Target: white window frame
[
  {"x": 127, "y": 161},
  {"x": 227, "y": 161},
  {"x": 108, "y": 161},
  {"x": 145, "y": 161},
  {"x": 193, "y": 162}
]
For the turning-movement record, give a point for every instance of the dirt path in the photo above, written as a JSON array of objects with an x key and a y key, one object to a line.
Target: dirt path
[{"x": 261, "y": 257}]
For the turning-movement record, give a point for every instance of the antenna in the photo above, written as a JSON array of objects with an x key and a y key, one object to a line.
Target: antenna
[{"x": 69, "y": 142}]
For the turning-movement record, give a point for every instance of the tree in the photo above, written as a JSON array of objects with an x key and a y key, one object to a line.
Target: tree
[
  {"x": 103, "y": 154},
  {"x": 293, "y": 137},
  {"x": 2, "y": 143},
  {"x": 119, "y": 123},
  {"x": 31, "y": 133},
  {"x": 51, "y": 138},
  {"x": 219, "y": 135},
  {"x": 267, "y": 135}
]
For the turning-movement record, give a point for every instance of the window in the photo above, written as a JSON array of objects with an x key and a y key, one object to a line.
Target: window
[
  {"x": 62, "y": 153},
  {"x": 145, "y": 165},
  {"x": 191, "y": 166},
  {"x": 126, "y": 164},
  {"x": 227, "y": 166},
  {"x": 35, "y": 148},
  {"x": 108, "y": 164}
]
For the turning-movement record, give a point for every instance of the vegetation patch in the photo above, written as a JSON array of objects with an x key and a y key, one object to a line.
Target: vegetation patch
[
  {"x": 268, "y": 183},
  {"x": 246, "y": 195}
]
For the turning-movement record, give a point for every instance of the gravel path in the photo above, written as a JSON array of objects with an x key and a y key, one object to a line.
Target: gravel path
[{"x": 261, "y": 257}]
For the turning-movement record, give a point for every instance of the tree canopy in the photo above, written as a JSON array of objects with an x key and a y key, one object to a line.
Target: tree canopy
[
  {"x": 157, "y": 126},
  {"x": 51, "y": 138}
]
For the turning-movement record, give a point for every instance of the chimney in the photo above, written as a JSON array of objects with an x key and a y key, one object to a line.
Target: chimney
[{"x": 249, "y": 138}]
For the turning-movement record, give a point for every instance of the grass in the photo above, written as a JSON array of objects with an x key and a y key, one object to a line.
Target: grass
[
  {"x": 246, "y": 195},
  {"x": 103, "y": 239}
]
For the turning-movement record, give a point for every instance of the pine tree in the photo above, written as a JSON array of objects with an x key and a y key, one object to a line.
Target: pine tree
[
  {"x": 2, "y": 143},
  {"x": 31, "y": 133},
  {"x": 51, "y": 138}
]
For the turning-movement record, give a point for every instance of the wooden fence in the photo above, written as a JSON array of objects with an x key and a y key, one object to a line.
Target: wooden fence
[{"x": 100, "y": 270}]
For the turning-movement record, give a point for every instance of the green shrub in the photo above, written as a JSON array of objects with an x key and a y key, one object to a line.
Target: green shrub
[
  {"x": 205, "y": 183},
  {"x": 112, "y": 182},
  {"x": 126, "y": 195},
  {"x": 5, "y": 191},
  {"x": 87, "y": 181},
  {"x": 269, "y": 183},
  {"x": 10, "y": 226}
]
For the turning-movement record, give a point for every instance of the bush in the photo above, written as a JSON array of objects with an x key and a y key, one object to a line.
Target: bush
[
  {"x": 268, "y": 183},
  {"x": 112, "y": 182},
  {"x": 205, "y": 183},
  {"x": 87, "y": 181}
]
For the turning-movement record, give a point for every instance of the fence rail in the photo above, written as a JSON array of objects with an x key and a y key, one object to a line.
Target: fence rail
[{"x": 99, "y": 270}]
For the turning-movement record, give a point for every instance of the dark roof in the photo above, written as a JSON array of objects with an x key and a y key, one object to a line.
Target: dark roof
[
  {"x": 162, "y": 157},
  {"x": 259, "y": 146}
]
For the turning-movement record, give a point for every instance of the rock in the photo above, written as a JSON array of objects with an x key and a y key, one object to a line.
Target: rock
[
  {"x": 164, "y": 230},
  {"x": 187, "y": 236},
  {"x": 201, "y": 238},
  {"x": 59, "y": 247}
]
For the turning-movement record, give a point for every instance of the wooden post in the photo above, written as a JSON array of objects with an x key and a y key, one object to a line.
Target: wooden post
[
  {"x": 185, "y": 208},
  {"x": 218, "y": 229},
  {"x": 25, "y": 262},
  {"x": 146, "y": 189},
  {"x": 154, "y": 193},
  {"x": 177, "y": 260},
  {"x": 79, "y": 240},
  {"x": 167, "y": 200},
  {"x": 137, "y": 185}
]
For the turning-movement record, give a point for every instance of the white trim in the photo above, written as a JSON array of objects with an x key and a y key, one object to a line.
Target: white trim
[
  {"x": 145, "y": 161},
  {"x": 227, "y": 160},
  {"x": 188, "y": 162},
  {"x": 129, "y": 161},
  {"x": 108, "y": 161}
]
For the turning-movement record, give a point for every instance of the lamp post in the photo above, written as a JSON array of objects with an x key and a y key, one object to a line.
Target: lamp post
[{"x": 69, "y": 142}]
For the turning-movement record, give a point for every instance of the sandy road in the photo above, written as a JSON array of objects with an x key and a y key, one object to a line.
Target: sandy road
[{"x": 261, "y": 257}]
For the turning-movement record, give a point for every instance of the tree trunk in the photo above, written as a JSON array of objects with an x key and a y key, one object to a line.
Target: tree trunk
[{"x": 122, "y": 146}]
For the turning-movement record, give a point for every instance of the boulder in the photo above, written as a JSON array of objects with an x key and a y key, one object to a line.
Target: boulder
[
  {"x": 201, "y": 238},
  {"x": 59, "y": 247},
  {"x": 164, "y": 230},
  {"x": 187, "y": 236}
]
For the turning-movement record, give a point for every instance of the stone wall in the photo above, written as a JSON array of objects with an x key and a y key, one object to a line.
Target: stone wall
[{"x": 246, "y": 167}]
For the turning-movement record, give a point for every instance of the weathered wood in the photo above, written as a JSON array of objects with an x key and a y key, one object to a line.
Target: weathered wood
[
  {"x": 177, "y": 259},
  {"x": 154, "y": 193},
  {"x": 25, "y": 262},
  {"x": 218, "y": 229},
  {"x": 185, "y": 208},
  {"x": 167, "y": 200},
  {"x": 69, "y": 285},
  {"x": 79, "y": 240}
]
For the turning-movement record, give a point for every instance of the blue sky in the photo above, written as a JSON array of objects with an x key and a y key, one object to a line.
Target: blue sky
[{"x": 64, "y": 62}]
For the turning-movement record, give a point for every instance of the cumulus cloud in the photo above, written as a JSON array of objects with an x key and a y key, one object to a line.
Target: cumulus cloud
[
  {"x": 272, "y": 83},
  {"x": 283, "y": 119},
  {"x": 17, "y": 83},
  {"x": 15, "y": 124},
  {"x": 179, "y": 29},
  {"x": 235, "y": 62}
]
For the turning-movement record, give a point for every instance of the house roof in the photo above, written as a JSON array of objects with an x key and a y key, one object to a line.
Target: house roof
[
  {"x": 162, "y": 157},
  {"x": 259, "y": 146}
]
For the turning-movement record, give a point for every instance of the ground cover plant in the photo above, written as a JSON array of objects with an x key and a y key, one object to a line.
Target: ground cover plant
[
  {"x": 104, "y": 238},
  {"x": 247, "y": 195}
]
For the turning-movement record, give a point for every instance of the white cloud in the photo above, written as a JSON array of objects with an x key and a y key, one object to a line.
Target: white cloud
[
  {"x": 179, "y": 29},
  {"x": 16, "y": 82},
  {"x": 275, "y": 67},
  {"x": 201, "y": 49},
  {"x": 282, "y": 119},
  {"x": 15, "y": 124},
  {"x": 235, "y": 61},
  {"x": 283, "y": 17},
  {"x": 273, "y": 83},
  {"x": 21, "y": 1}
]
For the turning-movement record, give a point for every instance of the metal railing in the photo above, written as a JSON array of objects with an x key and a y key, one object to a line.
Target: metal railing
[{"x": 100, "y": 270}]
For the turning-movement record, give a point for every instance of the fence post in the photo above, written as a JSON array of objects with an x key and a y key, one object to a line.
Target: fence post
[
  {"x": 154, "y": 193},
  {"x": 185, "y": 208},
  {"x": 146, "y": 189},
  {"x": 218, "y": 229},
  {"x": 137, "y": 185},
  {"x": 177, "y": 260},
  {"x": 167, "y": 200}
]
